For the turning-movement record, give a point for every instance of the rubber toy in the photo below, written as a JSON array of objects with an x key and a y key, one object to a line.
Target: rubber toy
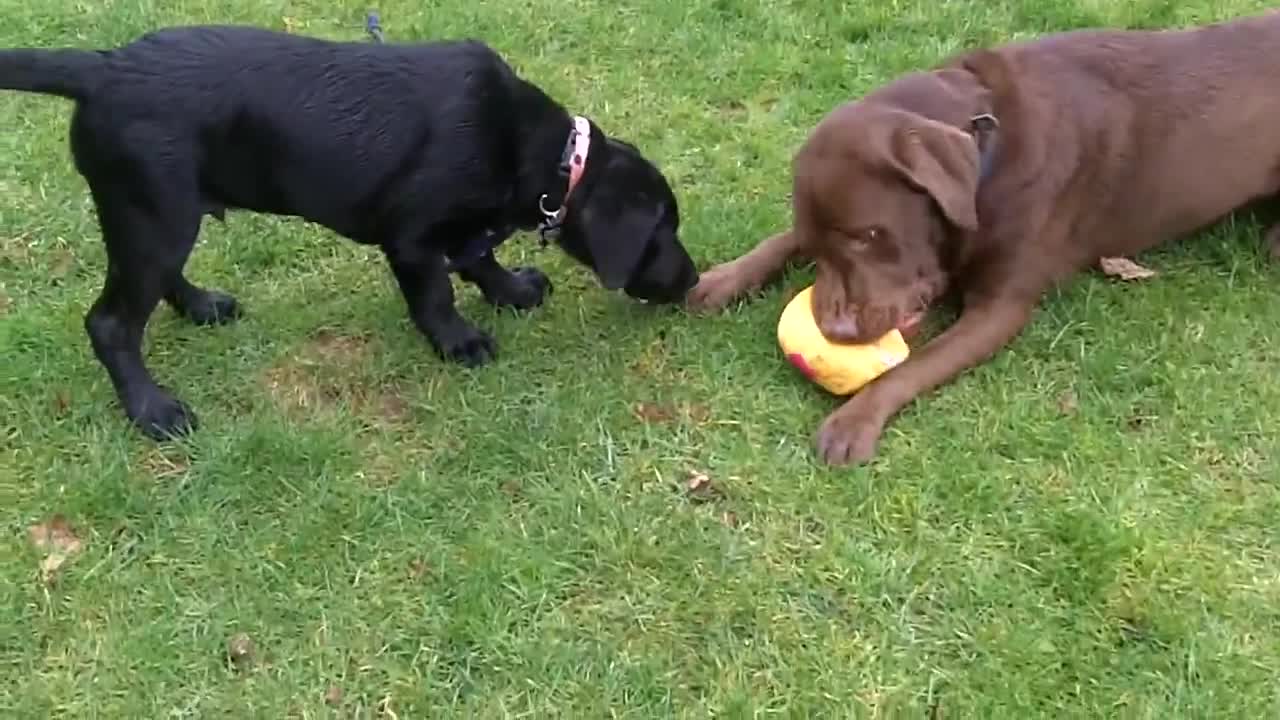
[{"x": 839, "y": 368}]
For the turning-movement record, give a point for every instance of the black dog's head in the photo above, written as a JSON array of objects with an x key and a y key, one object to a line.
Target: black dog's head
[{"x": 623, "y": 223}]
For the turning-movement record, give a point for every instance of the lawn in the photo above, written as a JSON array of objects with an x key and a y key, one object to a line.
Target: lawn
[{"x": 1085, "y": 527}]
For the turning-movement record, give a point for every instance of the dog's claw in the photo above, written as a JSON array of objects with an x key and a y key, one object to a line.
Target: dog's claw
[
  {"x": 474, "y": 350},
  {"x": 215, "y": 308},
  {"x": 716, "y": 288},
  {"x": 848, "y": 437},
  {"x": 161, "y": 416},
  {"x": 534, "y": 288}
]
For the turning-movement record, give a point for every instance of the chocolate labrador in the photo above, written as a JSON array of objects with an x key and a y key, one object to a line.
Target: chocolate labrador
[
  {"x": 436, "y": 153},
  {"x": 1004, "y": 171}
]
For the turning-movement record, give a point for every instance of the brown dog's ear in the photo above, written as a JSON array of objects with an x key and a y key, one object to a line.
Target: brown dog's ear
[{"x": 943, "y": 161}]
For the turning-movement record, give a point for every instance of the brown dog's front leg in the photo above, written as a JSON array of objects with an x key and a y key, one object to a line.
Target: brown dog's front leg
[
  {"x": 852, "y": 433},
  {"x": 723, "y": 283}
]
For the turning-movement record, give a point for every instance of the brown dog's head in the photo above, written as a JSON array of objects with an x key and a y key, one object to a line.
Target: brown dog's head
[{"x": 878, "y": 192}]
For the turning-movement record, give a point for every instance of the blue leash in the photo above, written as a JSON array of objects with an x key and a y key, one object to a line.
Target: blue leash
[{"x": 374, "y": 26}]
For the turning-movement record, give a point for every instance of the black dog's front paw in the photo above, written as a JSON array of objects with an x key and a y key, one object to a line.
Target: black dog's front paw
[
  {"x": 160, "y": 416},
  {"x": 526, "y": 289},
  {"x": 214, "y": 308},
  {"x": 470, "y": 347}
]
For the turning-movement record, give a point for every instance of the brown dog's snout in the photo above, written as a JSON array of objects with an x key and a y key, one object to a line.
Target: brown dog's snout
[
  {"x": 838, "y": 327},
  {"x": 836, "y": 318}
]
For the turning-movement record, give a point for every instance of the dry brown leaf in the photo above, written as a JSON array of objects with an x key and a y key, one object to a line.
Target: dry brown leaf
[
  {"x": 57, "y": 540},
  {"x": 4, "y": 303},
  {"x": 1068, "y": 403},
  {"x": 1140, "y": 420},
  {"x": 701, "y": 489},
  {"x": 241, "y": 651},
  {"x": 333, "y": 696},
  {"x": 645, "y": 412},
  {"x": 729, "y": 518},
  {"x": 61, "y": 402},
  {"x": 511, "y": 488},
  {"x": 417, "y": 568},
  {"x": 63, "y": 262},
  {"x": 698, "y": 413},
  {"x": 733, "y": 107},
  {"x": 1124, "y": 269}
]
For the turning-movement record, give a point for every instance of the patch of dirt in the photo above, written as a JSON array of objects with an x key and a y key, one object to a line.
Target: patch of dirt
[
  {"x": 15, "y": 251},
  {"x": 60, "y": 403},
  {"x": 736, "y": 108},
  {"x": 165, "y": 461},
  {"x": 655, "y": 414},
  {"x": 698, "y": 413},
  {"x": 1237, "y": 473},
  {"x": 61, "y": 263},
  {"x": 652, "y": 361},
  {"x": 733, "y": 108},
  {"x": 57, "y": 541},
  {"x": 385, "y": 458},
  {"x": 333, "y": 696},
  {"x": 323, "y": 374},
  {"x": 1056, "y": 482},
  {"x": 392, "y": 406},
  {"x": 330, "y": 344},
  {"x": 650, "y": 414},
  {"x": 512, "y": 489}
]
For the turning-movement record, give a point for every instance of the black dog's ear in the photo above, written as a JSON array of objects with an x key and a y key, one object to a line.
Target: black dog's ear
[{"x": 617, "y": 242}]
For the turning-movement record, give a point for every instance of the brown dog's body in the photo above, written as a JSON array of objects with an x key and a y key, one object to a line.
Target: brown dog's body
[{"x": 1005, "y": 171}]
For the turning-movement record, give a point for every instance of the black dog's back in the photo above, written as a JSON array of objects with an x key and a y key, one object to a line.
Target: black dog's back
[{"x": 290, "y": 125}]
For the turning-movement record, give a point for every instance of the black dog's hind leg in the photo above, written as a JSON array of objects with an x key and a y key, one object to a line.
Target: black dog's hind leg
[
  {"x": 424, "y": 282},
  {"x": 148, "y": 236},
  {"x": 521, "y": 288},
  {"x": 201, "y": 306}
]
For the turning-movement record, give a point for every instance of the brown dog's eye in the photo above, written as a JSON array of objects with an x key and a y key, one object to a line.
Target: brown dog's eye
[{"x": 864, "y": 239}]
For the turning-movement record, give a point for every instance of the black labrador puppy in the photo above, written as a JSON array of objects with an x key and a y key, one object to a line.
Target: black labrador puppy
[{"x": 435, "y": 152}]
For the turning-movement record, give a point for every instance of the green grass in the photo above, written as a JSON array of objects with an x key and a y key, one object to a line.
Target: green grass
[{"x": 519, "y": 541}]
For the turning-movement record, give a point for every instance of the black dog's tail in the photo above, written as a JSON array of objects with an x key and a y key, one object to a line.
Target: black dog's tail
[{"x": 67, "y": 73}]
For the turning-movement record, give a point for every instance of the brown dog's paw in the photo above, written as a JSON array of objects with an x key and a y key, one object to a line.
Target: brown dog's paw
[
  {"x": 849, "y": 436},
  {"x": 716, "y": 288}
]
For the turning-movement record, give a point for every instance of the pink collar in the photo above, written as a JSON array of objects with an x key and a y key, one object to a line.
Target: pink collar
[
  {"x": 581, "y": 145},
  {"x": 574, "y": 162}
]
